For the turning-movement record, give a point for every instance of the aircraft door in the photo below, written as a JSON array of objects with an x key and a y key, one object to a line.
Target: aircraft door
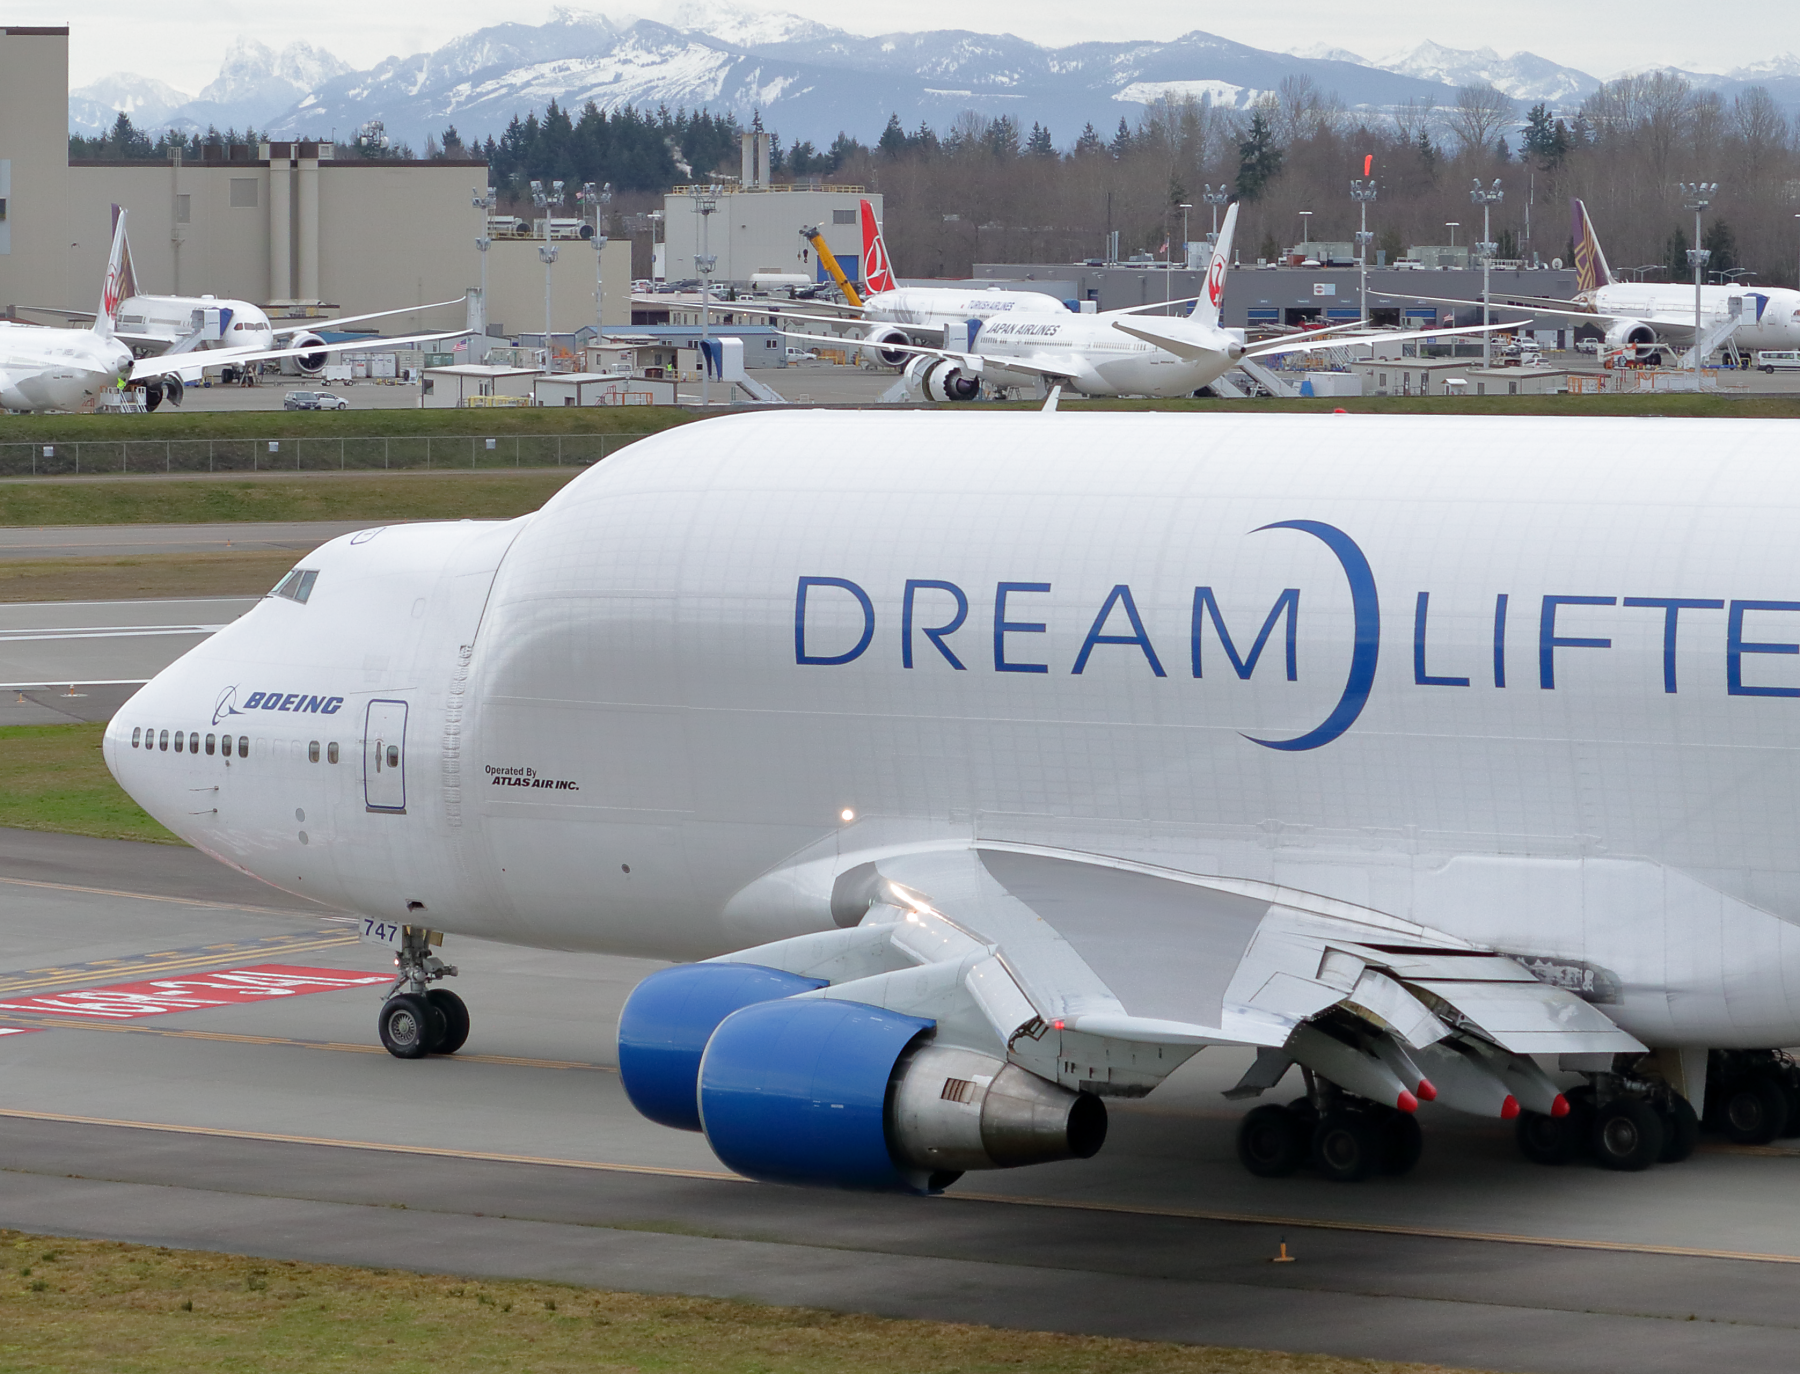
[{"x": 384, "y": 756}]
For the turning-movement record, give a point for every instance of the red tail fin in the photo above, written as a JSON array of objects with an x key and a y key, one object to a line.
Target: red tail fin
[{"x": 878, "y": 273}]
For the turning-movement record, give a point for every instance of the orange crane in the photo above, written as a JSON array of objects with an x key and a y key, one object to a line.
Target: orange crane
[{"x": 817, "y": 240}]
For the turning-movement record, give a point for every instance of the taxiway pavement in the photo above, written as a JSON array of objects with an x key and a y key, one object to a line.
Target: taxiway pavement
[{"x": 280, "y": 1128}]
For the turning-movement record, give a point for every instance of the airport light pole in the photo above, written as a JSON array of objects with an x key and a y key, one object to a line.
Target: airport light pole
[
  {"x": 547, "y": 255},
  {"x": 598, "y": 198},
  {"x": 1362, "y": 191},
  {"x": 484, "y": 201},
  {"x": 706, "y": 200},
  {"x": 1222, "y": 196},
  {"x": 1305, "y": 232},
  {"x": 1486, "y": 199},
  {"x": 1696, "y": 196}
]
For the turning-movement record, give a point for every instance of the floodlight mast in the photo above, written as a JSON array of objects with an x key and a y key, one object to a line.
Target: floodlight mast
[
  {"x": 706, "y": 200},
  {"x": 1486, "y": 199},
  {"x": 599, "y": 199},
  {"x": 484, "y": 201},
  {"x": 1696, "y": 196},
  {"x": 1362, "y": 191}
]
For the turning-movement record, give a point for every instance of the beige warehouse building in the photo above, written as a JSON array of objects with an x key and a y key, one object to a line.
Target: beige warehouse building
[{"x": 274, "y": 223}]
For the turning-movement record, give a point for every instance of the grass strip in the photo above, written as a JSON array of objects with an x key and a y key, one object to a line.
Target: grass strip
[
  {"x": 210, "y": 500},
  {"x": 168, "y": 423},
  {"x": 52, "y": 777},
  {"x": 153, "y": 576},
  {"x": 101, "y": 1307}
]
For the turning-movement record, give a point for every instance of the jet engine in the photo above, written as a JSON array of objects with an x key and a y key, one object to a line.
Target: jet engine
[
  {"x": 879, "y": 345},
  {"x": 939, "y": 379},
  {"x": 309, "y": 364},
  {"x": 1632, "y": 337},
  {"x": 159, "y": 389},
  {"x": 834, "y": 1093}
]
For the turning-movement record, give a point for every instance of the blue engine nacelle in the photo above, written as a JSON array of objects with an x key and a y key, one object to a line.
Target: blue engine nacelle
[
  {"x": 833, "y": 1092},
  {"x": 667, "y": 1021}
]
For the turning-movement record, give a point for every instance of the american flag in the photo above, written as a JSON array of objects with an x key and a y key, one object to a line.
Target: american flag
[{"x": 461, "y": 346}]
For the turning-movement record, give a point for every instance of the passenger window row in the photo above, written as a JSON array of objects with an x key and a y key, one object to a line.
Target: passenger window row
[{"x": 148, "y": 738}]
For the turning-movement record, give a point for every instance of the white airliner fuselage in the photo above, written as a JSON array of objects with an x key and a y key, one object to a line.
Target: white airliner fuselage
[
  {"x": 1284, "y": 704},
  {"x": 57, "y": 369},
  {"x": 160, "y": 322}
]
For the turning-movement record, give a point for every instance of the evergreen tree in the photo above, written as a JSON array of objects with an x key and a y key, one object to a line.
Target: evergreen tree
[
  {"x": 1259, "y": 160},
  {"x": 893, "y": 142},
  {"x": 1039, "y": 144},
  {"x": 1089, "y": 142},
  {"x": 1121, "y": 144}
]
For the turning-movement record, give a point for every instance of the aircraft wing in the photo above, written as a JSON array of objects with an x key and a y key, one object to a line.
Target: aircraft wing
[
  {"x": 1546, "y": 305},
  {"x": 977, "y": 363},
  {"x": 52, "y": 310},
  {"x": 1105, "y": 976},
  {"x": 1315, "y": 342},
  {"x": 342, "y": 320},
  {"x": 217, "y": 357},
  {"x": 1175, "y": 340}
]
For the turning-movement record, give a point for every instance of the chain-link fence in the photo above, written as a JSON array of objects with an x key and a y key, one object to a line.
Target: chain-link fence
[{"x": 401, "y": 453}]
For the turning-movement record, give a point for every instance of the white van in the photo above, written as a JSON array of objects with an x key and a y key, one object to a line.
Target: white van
[{"x": 1778, "y": 359}]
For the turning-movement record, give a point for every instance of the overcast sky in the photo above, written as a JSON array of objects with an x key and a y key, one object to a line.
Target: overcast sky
[{"x": 185, "y": 48}]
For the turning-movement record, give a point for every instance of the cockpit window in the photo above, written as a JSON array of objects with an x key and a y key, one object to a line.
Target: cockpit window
[{"x": 297, "y": 585}]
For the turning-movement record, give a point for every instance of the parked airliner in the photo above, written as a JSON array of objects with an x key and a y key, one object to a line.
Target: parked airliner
[{"x": 990, "y": 766}]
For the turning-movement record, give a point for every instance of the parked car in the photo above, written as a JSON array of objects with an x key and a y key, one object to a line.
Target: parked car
[
  {"x": 802, "y": 355},
  {"x": 313, "y": 400},
  {"x": 1587, "y": 345},
  {"x": 1772, "y": 359}
]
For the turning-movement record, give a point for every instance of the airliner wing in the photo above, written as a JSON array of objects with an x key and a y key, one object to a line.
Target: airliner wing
[
  {"x": 1171, "y": 337},
  {"x": 1105, "y": 976},
  {"x": 340, "y": 321},
  {"x": 1314, "y": 343},
  {"x": 217, "y": 357},
  {"x": 976, "y": 363},
  {"x": 1541, "y": 305}
]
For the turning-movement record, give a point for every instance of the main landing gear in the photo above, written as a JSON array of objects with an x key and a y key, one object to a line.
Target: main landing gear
[
  {"x": 1344, "y": 1137},
  {"x": 417, "y": 1019},
  {"x": 1753, "y": 1096},
  {"x": 1619, "y": 1120}
]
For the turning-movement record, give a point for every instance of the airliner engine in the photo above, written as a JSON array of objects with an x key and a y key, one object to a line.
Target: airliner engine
[
  {"x": 166, "y": 388},
  {"x": 1630, "y": 335},
  {"x": 834, "y": 1093},
  {"x": 940, "y": 379},
  {"x": 879, "y": 345},
  {"x": 309, "y": 364}
]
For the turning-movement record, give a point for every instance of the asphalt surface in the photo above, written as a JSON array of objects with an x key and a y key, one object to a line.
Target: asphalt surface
[
  {"x": 94, "y": 541},
  {"x": 279, "y": 1128},
  {"x": 79, "y": 660}
]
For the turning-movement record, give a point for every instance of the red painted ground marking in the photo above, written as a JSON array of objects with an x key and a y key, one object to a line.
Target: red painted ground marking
[{"x": 194, "y": 992}]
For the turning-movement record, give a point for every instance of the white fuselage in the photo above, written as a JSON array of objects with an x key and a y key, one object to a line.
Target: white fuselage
[
  {"x": 1103, "y": 360},
  {"x": 171, "y": 319},
  {"x": 1770, "y": 317},
  {"x": 57, "y": 369},
  {"x": 1529, "y": 682},
  {"x": 935, "y": 308}
]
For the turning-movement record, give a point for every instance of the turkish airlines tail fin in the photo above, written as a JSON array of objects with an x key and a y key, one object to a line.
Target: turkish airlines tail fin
[
  {"x": 120, "y": 281},
  {"x": 1212, "y": 300},
  {"x": 1591, "y": 271},
  {"x": 877, "y": 271}
]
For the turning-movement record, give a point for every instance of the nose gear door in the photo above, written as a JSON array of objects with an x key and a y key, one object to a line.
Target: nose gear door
[{"x": 384, "y": 756}]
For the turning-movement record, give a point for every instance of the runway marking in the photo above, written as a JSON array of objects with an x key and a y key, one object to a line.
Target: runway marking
[
  {"x": 227, "y": 1037},
  {"x": 1121, "y": 1209},
  {"x": 18, "y": 1030},
  {"x": 307, "y": 913},
  {"x": 194, "y": 992},
  {"x": 105, "y": 632},
  {"x": 171, "y": 961}
]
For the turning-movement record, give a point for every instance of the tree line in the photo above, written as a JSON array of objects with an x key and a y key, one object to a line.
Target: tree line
[{"x": 991, "y": 190}]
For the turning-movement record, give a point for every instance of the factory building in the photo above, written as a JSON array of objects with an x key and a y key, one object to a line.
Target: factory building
[
  {"x": 291, "y": 225},
  {"x": 751, "y": 227}
]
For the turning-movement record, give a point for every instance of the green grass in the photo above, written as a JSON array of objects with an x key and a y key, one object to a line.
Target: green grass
[
  {"x": 1673, "y": 403},
  {"x": 366, "y": 496},
  {"x": 52, "y": 777},
  {"x": 100, "y": 1307}
]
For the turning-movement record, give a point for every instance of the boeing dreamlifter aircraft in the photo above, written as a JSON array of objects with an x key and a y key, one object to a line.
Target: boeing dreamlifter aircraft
[{"x": 993, "y": 765}]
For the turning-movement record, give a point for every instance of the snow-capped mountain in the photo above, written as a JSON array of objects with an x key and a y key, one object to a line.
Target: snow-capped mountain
[
  {"x": 809, "y": 81},
  {"x": 94, "y": 108},
  {"x": 1523, "y": 76}
]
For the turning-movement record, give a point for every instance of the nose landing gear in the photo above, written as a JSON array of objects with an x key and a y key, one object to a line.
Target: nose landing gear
[{"x": 417, "y": 1019}]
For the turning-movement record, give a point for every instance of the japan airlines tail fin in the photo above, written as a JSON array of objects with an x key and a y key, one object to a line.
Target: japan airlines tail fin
[
  {"x": 119, "y": 279},
  {"x": 1591, "y": 271},
  {"x": 1207, "y": 307},
  {"x": 878, "y": 272}
]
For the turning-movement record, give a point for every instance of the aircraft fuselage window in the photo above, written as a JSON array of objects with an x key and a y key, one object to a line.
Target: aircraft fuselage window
[
  {"x": 164, "y": 743},
  {"x": 297, "y": 585},
  {"x": 243, "y": 746},
  {"x": 393, "y": 756},
  {"x": 331, "y": 752},
  {"x": 312, "y": 752},
  {"x": 137, "y": 736},
  {"x": 194, "y": 742},
  {"x": 179, "y": 739},
  {"x": 210, "y": 743}
]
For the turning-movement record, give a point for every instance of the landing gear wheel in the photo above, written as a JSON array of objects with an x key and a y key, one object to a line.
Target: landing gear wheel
[
  {"x": 1791, "y": 1091},
  {"x": 1552, "y": 1139},
  {"x": 1346, "y": 1147},
  {"x": 455, "y": 1018},
  {"x": 1681, "y": 1130},
  {"x": 408, "y": 1026},
  {"x": 1271, "y": 1141},
  {"x": 1402, "y": 1142},
  {"x": 1627, "y": 1135},
  {"x": 1753, "y": 1110}
]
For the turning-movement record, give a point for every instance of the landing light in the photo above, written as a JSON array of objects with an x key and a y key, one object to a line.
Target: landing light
[{"x": 846, "y": 814}]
